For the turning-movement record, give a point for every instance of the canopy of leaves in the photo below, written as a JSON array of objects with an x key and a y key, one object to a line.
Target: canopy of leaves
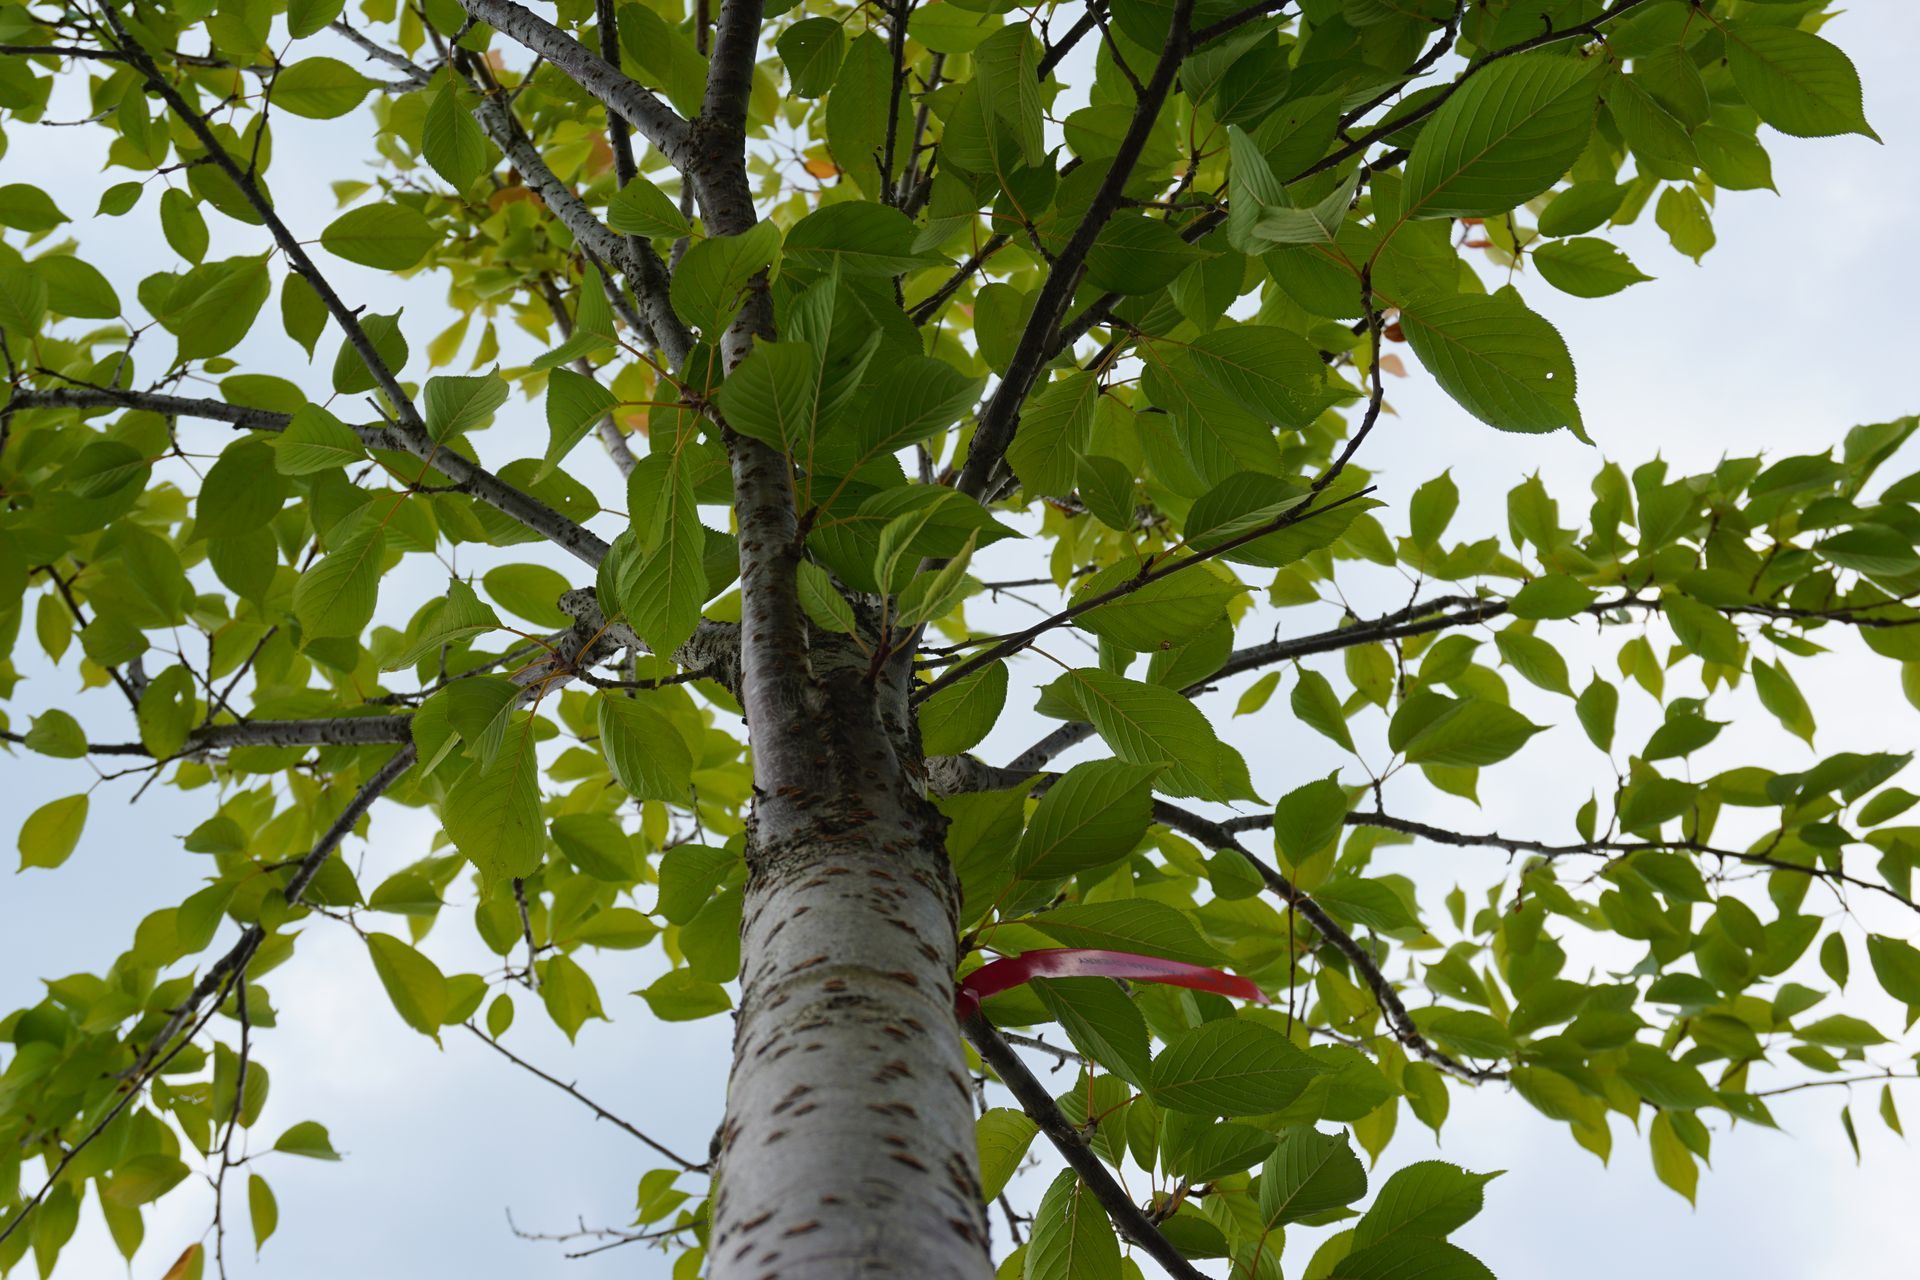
[{"x": 1134, "y": 346}]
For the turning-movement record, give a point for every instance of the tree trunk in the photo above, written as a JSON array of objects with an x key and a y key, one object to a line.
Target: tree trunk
[
  {"x": 847, "y": 1148},
  {"x": 848, "y": 1145}
]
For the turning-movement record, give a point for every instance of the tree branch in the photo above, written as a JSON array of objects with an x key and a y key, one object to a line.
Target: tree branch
[
  {"x": 600, "y": 1112},
  {"x": 635, "y": 258},
  {"x": 659, "y": 123},
  {"x": 470, "y": 477},
  {"x": 949, "y": 775},
  {"x": 380, "y": 53},
  {"x": 1001, "y": 416},
  {"x": 1149, "y": 573},
  {"x": 1128, "y": 1218},
  {"x": 1621, "y": 848},
  {"x": 412, "y": 432},
  {"x": 339, "y": 731},
  {"x": 1398, "y": 1020}
]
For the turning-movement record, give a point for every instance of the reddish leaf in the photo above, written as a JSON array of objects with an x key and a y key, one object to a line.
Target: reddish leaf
[{"x": 1081, "y": 962}]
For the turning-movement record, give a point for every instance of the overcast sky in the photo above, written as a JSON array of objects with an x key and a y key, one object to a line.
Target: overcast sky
[{"x": 1797, "y": 326}]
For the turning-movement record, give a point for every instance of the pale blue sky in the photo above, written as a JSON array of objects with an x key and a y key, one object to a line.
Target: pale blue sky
[{"x": 1797, "y": 326}]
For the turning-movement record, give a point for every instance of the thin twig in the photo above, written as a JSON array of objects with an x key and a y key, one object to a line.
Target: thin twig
[{"x": 599, "y": 1111}]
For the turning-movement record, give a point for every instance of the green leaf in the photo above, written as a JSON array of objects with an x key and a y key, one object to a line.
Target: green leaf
[
  {"x": 1370, "y": 903},
  {"x": 1007, "y": 77},
  {"x": 1315, "y": 703},
  {"x": 596, "y": 844},
  {"x": 51, "y": 833},
  {"x": 1704, "y": 631},
  {"x": 307, "y": 1138},
  {"x": 492, "y": 814},
  {"x": 811, "y": 50},
  {"x": 386, "y": 237},
  {"x": 1071, "y": 1238},
  {"x": 1535, "y": 659},
  {"x": 1475, "y": 1034},
  {"x": 455, "y": 405},
  {"x": 856, "y": 115},
  {"x": 144, "y": 1179},
  {"x": 350, "y": 371},
  {"x": 1735, "y": 161},
  {"x": 23, "y": 300},
  {"x": 1135, "y": 924},
  {"x": 857, "y": 238},
  {"x": 1499, "y": 360},
  {"x": 642, "y": 209},
  {"x": 1319, "y": 223},
  {"x": 530, "y": 591},
  {"x": 825, "y": 607},
  {"x": 1094, "y": 814},
  {"x": 918, "y": 397},
  {"x": 1149, "y": 724},
  {"x": 319, "y": 88},
  {"x": 213, "y": 306},
  {"x": 644, "y": 749},
  {"x": 1266, "y": 370},
  {"x": 315, "y": 441},
  {"x": 166, "y": 712},
  {"x": 57, "y": 734},
  {"x": 1796, "y": 81},
  {"x": 460, "y": 615},
  {"x": 27, "y": 208},
  {"x": 1504, "y": 137},
  {"x": 307, "y": 17},
  {"x": 1107, "y": 487},
  {"x": 1100, "y": 1021},
  {"x": 1257, "y": 694},
  {"x": 451, "y": 140},
  {"x": 1309, "y": 818},
  {"x": 569, "y": 995},
  {"x": 1135, "y": 254},
  {"x": 1003, "y": 1136},
  {"x": 1428, "y": 1198},
  {"x": 262, "y": 1209},
  {"x": 1309, "y": 1173},
  {"x": 708, "y": 282},
  {"x": 932, "y": 596},
  {"x": 1164, "y": 613},
  {"x": 1586, "y": 268},
  {"x": 1557, "y": 595},
  {"x": 1781, "y": 696},
  {"x": 1664, "y": 1081},
  {"x": 241, "y": 492},
  {"x": 336, "y": 597},
  {"x": 1408, "y": 1257},
  {"x": 76, "y": 288},
  {"x": 1231, "y": 1067},
  {"x": 118, "y": 199},
  {"x": 1054, "y": 427},
  {"x": 659, "y": 581},
  {"x": 1581, "y": 208},
  {"x": 1683, "y": 216},
  {"x": 1895, "y": 963},
  {"x": 774, "y": 397},
  {"x": 678, "y": 996},
  {"x": 1431, "y": 728},
  {"x": 960, "y": 715},
  {"x": 1673, "y": 1164},
  {"x": 302, "y": 312},
  {"x": 414, "y": 984},
  {"x": 893, "y": 560}
]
